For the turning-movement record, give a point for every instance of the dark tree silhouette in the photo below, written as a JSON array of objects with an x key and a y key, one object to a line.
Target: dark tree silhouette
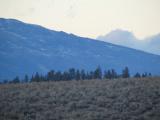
[
  {"x": 83, "y": 75},
  {"x": 144, "y": 74},
  {"x": 98, "y": 73},
  {"x": 137, "y": 75},
  {"x": 78, "y": 75},
  {"x": 107, "y": 74},
  {"x": 125, "y": 73},
  {"x": 72, "y": 73},
  {"x": 15, "y": 80},
  {"x": 26, "y": 78},
  {"x": 51, "y": 75},
  {"x": 58, "y": 76},
  {"x": 113, "y": 73}
]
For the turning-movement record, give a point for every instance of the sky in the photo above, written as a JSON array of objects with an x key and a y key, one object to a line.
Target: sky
[{"x": 87, "y": 18}]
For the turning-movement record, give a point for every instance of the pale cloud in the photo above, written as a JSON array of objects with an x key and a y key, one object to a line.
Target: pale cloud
[{"x": 87, "y": 17}]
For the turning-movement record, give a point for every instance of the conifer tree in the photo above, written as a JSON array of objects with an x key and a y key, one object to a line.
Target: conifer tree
[
  {"x": 78, "y": 75},
  {"x": 26, "y": 79},
  {"x": 98, "y": 73},
  {"x": 83, "y": 75},
  {"x": 125, "y": 73},
  {"x": 51, "y": 75},
  {"x": 15, "y": 80},
  {"x": 113, "y": 74},
  {"x": 72, "y": 73},
  {"x": 58, "y": 76},
  {"x": 107, "y": 74},
  {"x": 137, "y": 75},
  {"x": 37, "y": 77}
]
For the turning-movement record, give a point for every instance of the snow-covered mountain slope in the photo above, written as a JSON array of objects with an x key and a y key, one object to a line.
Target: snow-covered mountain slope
[
  {"x": 27, "y": 48},
  {"x": 127, "y": 39}
]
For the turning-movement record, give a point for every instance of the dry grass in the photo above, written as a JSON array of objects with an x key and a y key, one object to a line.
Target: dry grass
[{"x": 123, "y": 99}]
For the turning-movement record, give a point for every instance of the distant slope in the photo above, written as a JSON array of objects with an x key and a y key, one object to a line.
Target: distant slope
[
  {"x": 127, "y": 39},
  {"x": 27, "y": 48},
  {"x": 153, "y": 44}
]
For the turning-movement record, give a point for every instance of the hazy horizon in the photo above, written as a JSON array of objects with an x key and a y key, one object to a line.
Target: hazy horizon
[{"x": 87, "y": 18}]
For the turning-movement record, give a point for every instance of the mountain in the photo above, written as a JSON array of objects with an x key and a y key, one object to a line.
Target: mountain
[
  {"x": 127, "y": 39},
  {"x": 153, "y": 44},
  {"x": 27, "y": 48},
  {"x": 119, "y": 37}
]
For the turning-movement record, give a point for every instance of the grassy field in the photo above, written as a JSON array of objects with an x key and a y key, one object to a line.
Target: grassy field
[{"x": 122, "y": 99}]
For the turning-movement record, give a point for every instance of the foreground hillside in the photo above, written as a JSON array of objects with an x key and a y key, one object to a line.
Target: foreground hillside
[
  {"x": 123, "y": 99},
  {"x": 37, "y": 49}
]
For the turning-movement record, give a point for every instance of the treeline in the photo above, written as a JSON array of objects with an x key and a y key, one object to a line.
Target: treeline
[{"x": 76, "y": 74}]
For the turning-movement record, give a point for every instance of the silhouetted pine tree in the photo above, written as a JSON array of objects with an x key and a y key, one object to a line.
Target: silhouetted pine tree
[
  {"x": 78, "y": 75},
  {"x": 5, "y": 81},
  {"x": 107, "y": 74},
  {"x": 26, "y": 78},
  {"x": 58, "y": 76},
  {"x": 150, "y": 75},
  {"x": 51, "y": 75},
  {"x": 65, "y": 76},
  {"x": 72, "y": 73},
  {"x": 15, "y": 80},
  {"x": 91, "y": 75},
  {"x": 98, "y": 73},
  {"x": 144, "y": 74},
  {"x": 35, "y": 78},
  {"x": 125, "y": 73},
  {"x": 32, "y": 79},
  {"x": 83, "y": 75},
  {"x": 113, "y": 74},
  {"x": 137, "y": 75}
]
